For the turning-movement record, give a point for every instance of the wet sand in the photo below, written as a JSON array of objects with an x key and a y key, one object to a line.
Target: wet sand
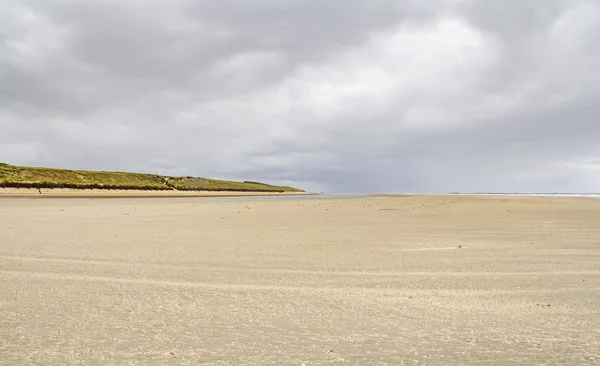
[{"x": 369, "y": 281}]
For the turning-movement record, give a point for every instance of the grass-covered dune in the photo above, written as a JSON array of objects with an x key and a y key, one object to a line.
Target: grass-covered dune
[{"x": 29, "y": 177}]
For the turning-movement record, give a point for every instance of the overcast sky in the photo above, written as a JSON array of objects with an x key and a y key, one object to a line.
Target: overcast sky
[{"x": 336, "y": 96}]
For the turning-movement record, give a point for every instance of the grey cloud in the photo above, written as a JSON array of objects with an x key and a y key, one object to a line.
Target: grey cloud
[{"x": 346, "y": 96}]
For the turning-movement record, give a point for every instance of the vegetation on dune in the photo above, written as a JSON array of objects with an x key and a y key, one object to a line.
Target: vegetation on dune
[
  {"x": 28, "y": 177},
  {"x": 263, "y": 185},
  {"x": 206, "y": 184}
]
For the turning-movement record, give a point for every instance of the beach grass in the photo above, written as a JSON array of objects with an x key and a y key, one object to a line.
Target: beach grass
[{"x": 35, "y": 177}]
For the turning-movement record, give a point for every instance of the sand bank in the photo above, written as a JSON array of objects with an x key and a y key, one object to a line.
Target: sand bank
[
  {"x": 67, "y": 192},
  {"x": 433, "y": 280}
]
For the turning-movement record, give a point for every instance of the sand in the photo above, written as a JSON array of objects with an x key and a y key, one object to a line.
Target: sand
[
  {"x": 122, "y": 193},
  {"x": 371, "y": 281}
]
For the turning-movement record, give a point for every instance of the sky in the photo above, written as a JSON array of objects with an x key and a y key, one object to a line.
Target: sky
[{"x": 347, "y": 96}]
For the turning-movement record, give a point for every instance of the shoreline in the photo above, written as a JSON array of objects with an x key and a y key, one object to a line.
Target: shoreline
[
  {"x": 127, "y": 193},
  {"x": 492, "y": 195},
  {"x": 132, "y": 193}
]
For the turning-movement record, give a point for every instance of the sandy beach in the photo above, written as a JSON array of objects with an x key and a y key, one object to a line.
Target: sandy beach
[
  {"x": 433, "y": 280},
  {"x": 125, "y": 193}
]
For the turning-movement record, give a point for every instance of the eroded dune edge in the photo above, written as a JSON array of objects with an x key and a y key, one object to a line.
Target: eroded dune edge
[{"x": 67, "y": 192}]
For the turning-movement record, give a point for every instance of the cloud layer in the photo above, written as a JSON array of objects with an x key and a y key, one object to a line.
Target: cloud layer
[{"x": 339, "y": 96}]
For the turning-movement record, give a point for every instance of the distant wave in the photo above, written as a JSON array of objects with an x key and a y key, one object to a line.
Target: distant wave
[{"x": 594, "y": 195}]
